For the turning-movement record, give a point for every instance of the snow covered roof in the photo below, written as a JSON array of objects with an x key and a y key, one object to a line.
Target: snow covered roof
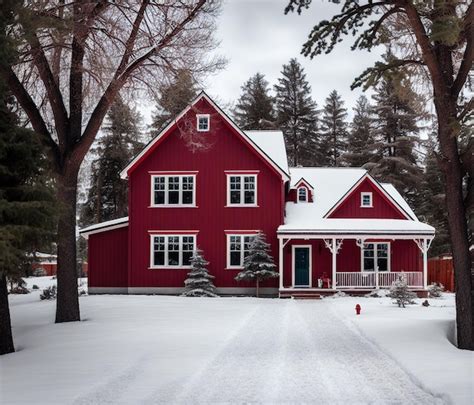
[
  {"x": 330, "y": 185},
  {"x": 104, "y": 226},
  {"x": 273, "y": 144}
]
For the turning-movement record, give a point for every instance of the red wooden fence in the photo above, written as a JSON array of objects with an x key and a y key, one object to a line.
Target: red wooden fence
[{"x": 441, "y": 271}]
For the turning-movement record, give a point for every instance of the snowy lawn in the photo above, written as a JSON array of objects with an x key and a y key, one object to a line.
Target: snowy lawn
[{"x": 154, "y": 349}]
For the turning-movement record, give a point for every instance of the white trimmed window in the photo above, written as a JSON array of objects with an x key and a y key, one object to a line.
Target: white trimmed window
[
  {"x": 242, "y": 189},
  {"x": 376, "y": 256},
  {"x": 172, "y": 251},
  {"x": 302, "y": 194},
  {"x": 238, "y": 247},
  {"x": 203, "y": 122},
  {"x": 366, "y": 200},
  {"x": 171, "y": 190}
]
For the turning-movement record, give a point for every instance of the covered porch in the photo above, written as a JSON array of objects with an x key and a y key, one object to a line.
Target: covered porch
[{"x": 353, "y": 262}]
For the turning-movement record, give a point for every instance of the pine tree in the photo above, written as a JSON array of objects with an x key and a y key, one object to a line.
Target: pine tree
[
  {"x": 333, "y": 130},
  {"x": 396, "y": 114},
  {"x": 433, "y": 201},
  {"x": 107, "y": 196},
  {"x": 360, "y": 145},
  {"x": 297, "y": 116},
  {"x": 254, "y": 109},
  {"x": 258, "y": 264},
  {"x": 27, "y": 207},
  {"x": 400, "y": 293},
  {"x": 173, "y": 98},
  {"x": 199, "y": 282}
]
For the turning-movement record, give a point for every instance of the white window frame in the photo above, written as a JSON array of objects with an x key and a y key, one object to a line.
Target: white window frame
[
  {"x": 389, "y": 257},
  {"x": 208, "y": 116},
  {"x": 366, "y": 194},
  {"x": 298, "y": 194},
  {"x": 242, "y": 250},
  {"x": 166, "y": 236},
  {"x": 166, "y": 190},
  {"x": 242, "y": 189}
]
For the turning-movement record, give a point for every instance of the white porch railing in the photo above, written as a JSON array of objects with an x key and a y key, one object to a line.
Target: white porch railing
[{"x": 368, "y": 279}]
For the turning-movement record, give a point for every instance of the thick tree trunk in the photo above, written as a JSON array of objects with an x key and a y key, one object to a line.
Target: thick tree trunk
[
  {"x": 6, "y": 338},
  {"x": 457, "y": 221},
  {"x": 67, "y": 304}
]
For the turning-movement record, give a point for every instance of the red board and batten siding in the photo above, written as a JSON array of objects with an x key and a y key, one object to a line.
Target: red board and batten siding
[
  {"x": 211, "y": 217},
  {"x": 382, "y": 207},
  {"x": 110, "y": 269},
  {"x": 404, "y": 256}
]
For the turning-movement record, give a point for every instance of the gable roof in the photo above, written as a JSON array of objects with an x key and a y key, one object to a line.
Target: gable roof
[
  {"x": 104, "y": 226},
  {"x": 331, "y": 185},
  {"x": 273, "y": 144},
  {"x": 302, "y": 180},
  {"x": 378, "y": 186},
  {"x": 263, "y": 146}
]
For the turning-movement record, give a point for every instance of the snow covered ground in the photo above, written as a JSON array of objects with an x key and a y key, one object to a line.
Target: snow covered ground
[{"x": 154, "y": 349}]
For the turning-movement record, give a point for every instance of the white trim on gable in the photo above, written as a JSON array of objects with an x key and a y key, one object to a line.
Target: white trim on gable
[
  {"x": 378, "y": 187},
  {"x": 124, "y": 172}
]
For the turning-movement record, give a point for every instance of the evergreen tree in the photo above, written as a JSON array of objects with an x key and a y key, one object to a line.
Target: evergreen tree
[
  {"x": 107, "y": 196},
  {"x": 258, "y": 264},
  {"x": 254, "y": 109},
  {"x": 297, "y": 116},
  {"x": 199, "y": 282},
  {"x": 173, "y": 99},
  {"x": 333, "y": 130},
  {"x": 396, "y": 113},
  {"x": 400, "y": 293},
  {"x": 433, "y": 201},
  {"x": 27, "y": 208},
  {"x": 360, "y": 145}
]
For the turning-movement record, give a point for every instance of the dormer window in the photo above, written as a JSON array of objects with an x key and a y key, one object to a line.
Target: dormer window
[
  {"x": 366, "y": 200},
  {"x": 203, "y": 122},
  {"x": 302, "y": 194}
]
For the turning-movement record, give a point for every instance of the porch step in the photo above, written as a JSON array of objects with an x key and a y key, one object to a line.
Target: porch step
[{"x": 307, "y": 296}]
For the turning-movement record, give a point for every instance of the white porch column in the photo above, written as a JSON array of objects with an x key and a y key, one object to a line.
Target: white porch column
[
  {"x": 334, "y": 257},
  {"x": 425, "y": 263},
  {"x": 280, "y": 261}
]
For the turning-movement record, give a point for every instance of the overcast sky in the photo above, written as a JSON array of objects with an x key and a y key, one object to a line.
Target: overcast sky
[{"x": 256, "y": 36}]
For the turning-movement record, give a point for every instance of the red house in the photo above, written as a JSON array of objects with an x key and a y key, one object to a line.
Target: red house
[{"x": 203, "y": 182}]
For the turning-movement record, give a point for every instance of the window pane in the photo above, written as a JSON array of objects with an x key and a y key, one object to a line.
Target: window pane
[
  {"x": 382, "y": 250},
  {"x": 173, "y": 197},
  {"x": 382, "y": 264},
  {"x": 203, "y": 123},
  {"x": 173, "y": 258},
  {"x": 235, "y": 183},
  {"x": 187, "y": 197},
  {"x": 235, "y": 259},
  {"x": 159, "y": 197},
  {"x": 368, "y": 264},
  {"x": 159, "y": 259},
  {"x": 158, "y": 251},
  {"x": 235, "y": 197},
  {"x": 249, "y": 197},
  {"x": 187, "y": 258}
]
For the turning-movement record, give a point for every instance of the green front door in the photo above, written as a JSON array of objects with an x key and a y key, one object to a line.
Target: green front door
[{"x": 302, "y": 267}]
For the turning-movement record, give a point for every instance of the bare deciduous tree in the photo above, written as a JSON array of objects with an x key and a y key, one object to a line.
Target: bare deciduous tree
[{"x": 74, "y": 58}]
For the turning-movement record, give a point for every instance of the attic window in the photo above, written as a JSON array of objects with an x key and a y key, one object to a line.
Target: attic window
[
  {"x": 203, "y": 122},
  {"x": 366, "y": 200},
  {"x": 302, "y": 194}
]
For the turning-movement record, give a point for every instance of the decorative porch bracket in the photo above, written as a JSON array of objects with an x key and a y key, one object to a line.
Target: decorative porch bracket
[
  {"x": 334, "y": 245},
  {"x": 360, "y": 243}
]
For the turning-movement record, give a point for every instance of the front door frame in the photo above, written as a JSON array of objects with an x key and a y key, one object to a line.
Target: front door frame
[{"x": 310, "y": 266}]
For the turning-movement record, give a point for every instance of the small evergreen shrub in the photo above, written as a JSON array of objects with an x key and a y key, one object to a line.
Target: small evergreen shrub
[
  {"x": 35, "y": 287},
  {"x": 39, "y": 272},
  {"x": 435, "y": 290},
  {"x": 48, "y": 293},
  {"x": 199, "y": 282},
  {"x": 400, "y": 293},
  {"x": 18, "y": 286}
]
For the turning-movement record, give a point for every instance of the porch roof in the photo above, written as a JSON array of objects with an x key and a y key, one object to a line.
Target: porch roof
[{"x": 360, "y": 226}]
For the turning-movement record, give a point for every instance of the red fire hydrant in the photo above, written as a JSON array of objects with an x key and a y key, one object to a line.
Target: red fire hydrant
[{"x": 358, "y": 309}]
